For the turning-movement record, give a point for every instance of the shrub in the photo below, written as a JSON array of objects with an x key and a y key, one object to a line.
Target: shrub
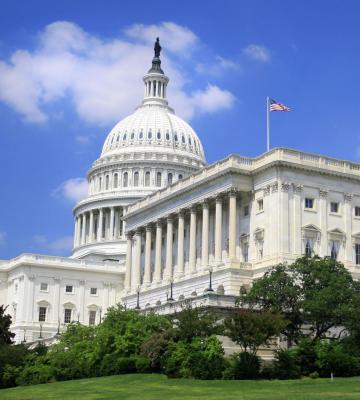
[
  {"x": 203, "y": 358},
  {"x": 243, "y": 366},
  {"x": 332, "y": 358},
  {"x": 113, "y": 364},
  {"x": 307, "y": 356},
  {"x": 10, "y": 373},
  {"x": 142, "y": 364},
  {"x": 286, "y": 365},
  {"x": 35, "y": 374},
  {"x": 314, "y": 375},
  {"x": 155, "y": 348}
]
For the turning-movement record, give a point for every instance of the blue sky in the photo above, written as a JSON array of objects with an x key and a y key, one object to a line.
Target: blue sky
[{"x": 70, "y": 70}]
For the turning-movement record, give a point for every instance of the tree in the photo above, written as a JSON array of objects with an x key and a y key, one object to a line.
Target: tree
[
  {"x": 195, "y": 322},
  {"x": 316, "y": 292},
  {"x": 6, "y": 336},
  {"x": 251, "y": 329}
]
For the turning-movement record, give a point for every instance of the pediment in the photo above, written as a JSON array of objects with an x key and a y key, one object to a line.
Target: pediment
[
  {"x": 311, "y": 227},
  {"x": 336, "y": 231}
]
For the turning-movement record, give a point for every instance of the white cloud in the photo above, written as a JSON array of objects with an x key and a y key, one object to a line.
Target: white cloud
[
  {"x": 211, "y": 99},
  {"x": 102, "y": 78},
  {"x": 64, "y": 244},
  {"x": 40, "y": 239},
  {"x": 2, "y": 238},
  {"x": 84, "y": 139},
  {"x": 258, "y": 52},
  {"x": 73, "y": 189},
  {"x": 218, "y": 68}
]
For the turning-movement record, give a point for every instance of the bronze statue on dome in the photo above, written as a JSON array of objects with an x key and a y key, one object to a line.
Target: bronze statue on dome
[{"x": 157, "y": 48}]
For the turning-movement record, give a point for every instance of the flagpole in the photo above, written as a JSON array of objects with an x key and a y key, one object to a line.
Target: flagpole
[{"x": 267, "y": 123}]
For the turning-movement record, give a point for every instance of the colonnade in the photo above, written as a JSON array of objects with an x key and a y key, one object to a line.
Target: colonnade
[
  {"x": 98, "y": 225},
  {"x": 139, "y": 269}
]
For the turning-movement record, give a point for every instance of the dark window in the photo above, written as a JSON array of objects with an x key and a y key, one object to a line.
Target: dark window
[
  {"x": 67, "y": 315},
  {"x": 159, "y": 135},
  {"x": 260, "y": 204},
  {"x": 334, "y": 207},
  {"x": 147, "y": 178},
  {"x": 42, "y": 314},
  {"x": 149, "y": 135},
  {"x": 308, "y": 248},
  {"x": 93, "y": 290},
  {"x": 357, "y": 211},
  {"x": 158, "y": 179},
  {"x": 334, "y": 250},
  {"x": 309, "y": 203},
  {"x": 170, "y": 177},
  {"x": 68, "y": 288},
  {"x": 92, "y": 317},
  {"x": 357, "y": 253}
]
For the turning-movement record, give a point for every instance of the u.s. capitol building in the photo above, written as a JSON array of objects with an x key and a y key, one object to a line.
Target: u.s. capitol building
[{"x": 160, "y": 227}]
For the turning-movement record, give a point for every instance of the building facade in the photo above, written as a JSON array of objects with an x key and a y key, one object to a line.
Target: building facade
[{"x": 160, "y": 228}]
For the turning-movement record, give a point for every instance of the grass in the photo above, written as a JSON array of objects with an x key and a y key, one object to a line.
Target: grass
[{"x": 158, "y": 387}]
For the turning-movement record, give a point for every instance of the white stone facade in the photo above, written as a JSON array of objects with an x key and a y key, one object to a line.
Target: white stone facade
[{"x": 158, "y": 224}]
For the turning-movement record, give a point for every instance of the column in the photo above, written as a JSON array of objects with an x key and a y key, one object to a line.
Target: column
[
  {"x": 192, "y": 241},
  {"x": 56, "y": 313},
  {"x": 157, "y": 272},
  {"x": 76, "y": 231},
  {"x": 107, "y": 233},
  {"x": 147, "y": 266},
  {"x": 112, "y": 214},
  {"x": 232, "y": 225},
  {"x": 169, "y": 249},
  {"x": 128, "y": 261},
  {"x": 180, "y": 253},
  {"x": 100, "y": 225},
  {"x": 218, "y": 229},
  {"x": 83, "y": 229},
  {"x": 205, "y": 236},
  {"x": 123, "y": 228},
  {"x": 297, "y": 214},
  {"x": 137, "y": 260},
  {"x": 348, "y": 228},
  {"x": 323, "y": 222},
  {"x": 79, "y": 231},
  {"x": 117, "y": 223},
  {"x": 91, "y": 226}
]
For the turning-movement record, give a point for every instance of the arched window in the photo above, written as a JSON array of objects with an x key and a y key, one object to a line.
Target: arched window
[
  {"x": 189, "y": 141},
  {"x": 141, "y": 134},
  {"x": 132, "y": 135},
  {"x": 100, "y": 183},
  {"x": 180, "y": 176},
  {"x": 170, "y": 178},
  {"x": 125, "y": 179},
  {"x": 158, "y": 179},
  {"x": 124, "y": 137},
  {"x": 116, "y": 180},
  {"x": 176, "y": 137},
  {"x": 167, "y": 136},
  {"x": 107, "y": 182},
  {"x": 183, "y": 139},
  {"x": 149, "y": 134},
  {"x": 136, "y": 178},
  {"x": 118, "y": 138},
  {"x": 147, "y": 178},
  {"x": 159, "y": 135}
]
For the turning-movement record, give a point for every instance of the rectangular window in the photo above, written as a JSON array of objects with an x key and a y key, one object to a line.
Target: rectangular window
[
  {"x": 43, "y": 286},
  {"x": 246, "y": 211},
  {"x": 260, "y": 205},
  {"x": 357, "y": 211},
  {"x": 246, "y": 252},
  {"x": 67, "y": 316},
  {"x": 93, "y": 291},
  {"x": 357, "y": 253},
  {"x": 42, "y": 314},
  {"x": 92, "y": 317},
  {"x": 334, "y": 207},
  {"x": 309, "y": 203},
  {"x": 308, "y": 247},
  {"x": 69, "y": 288}
]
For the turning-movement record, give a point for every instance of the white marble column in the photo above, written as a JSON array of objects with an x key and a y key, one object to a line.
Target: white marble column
[
  {"x": 56, "y": 311},
  {"x": 157, "y": 272},
  {"x": 83, "y": 229},
  {"x": 79, "y": 230},
  {"x": 348, "y": 228},
  {"x": 218, "y": 229},
  {"x": 168, "y": 273},
  {"x": 100, "y": 225},
  {"x": 137, "y": 260},
  {"x": 192, "y": 241},
  {"x": 117, "y": 224},
  {"x": 232, "y": 225},
  {"x": 76, "y": 231},
  {"x": 91, "y": 226},
  {"x": 123, "y": 227},
  {"x": 180, "y": 252},
  {"x": 111, "y": 229},
  {"x": 128, "y": 261},
  {"x": 107, "y": 220},
  {"x": 147, "y": 266},
  {"x": 205, "y": 236}
]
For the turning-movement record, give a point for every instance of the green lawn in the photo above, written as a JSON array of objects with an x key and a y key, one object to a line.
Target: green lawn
[{"x": 158, "y": 387}]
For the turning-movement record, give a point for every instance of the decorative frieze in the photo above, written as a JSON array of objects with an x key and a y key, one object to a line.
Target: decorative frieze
[{"x": 323, "y": 193}]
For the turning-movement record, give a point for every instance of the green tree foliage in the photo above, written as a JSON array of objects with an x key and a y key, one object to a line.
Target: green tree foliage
[
  {"x": 286, "y": 365},
  {"x": 251, "y": 329},
  {"x": 318, "y": 292},
  {"x": 6, "y": 337},
  {"x": 201, "y": 358}
]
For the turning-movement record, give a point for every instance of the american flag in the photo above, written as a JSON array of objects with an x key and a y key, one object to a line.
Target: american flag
[{"x": 276, "y": 106}]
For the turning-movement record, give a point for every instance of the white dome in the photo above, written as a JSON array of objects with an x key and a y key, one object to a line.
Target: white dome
[{"x": 153, "y": 128}]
